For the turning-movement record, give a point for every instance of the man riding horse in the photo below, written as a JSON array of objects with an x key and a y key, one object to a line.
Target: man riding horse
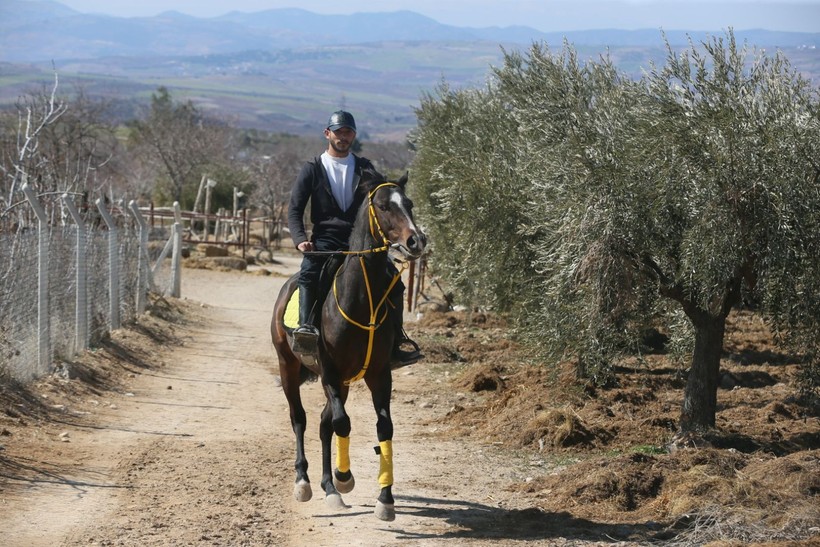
[{"x": 330, "y": 183}]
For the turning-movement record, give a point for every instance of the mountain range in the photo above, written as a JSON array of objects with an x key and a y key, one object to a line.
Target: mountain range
[
  {"x": 281, "y": 68},
  {"x": 47, "y": 31}
]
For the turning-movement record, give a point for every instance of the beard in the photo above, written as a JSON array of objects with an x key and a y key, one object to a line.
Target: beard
[{"x": 342, "y": 146}]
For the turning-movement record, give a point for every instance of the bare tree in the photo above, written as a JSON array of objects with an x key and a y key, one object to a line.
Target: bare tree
[
  {"x": 57, "y": 145},
  {"x": 272, "y": 176},
  {"x": 22, "y": 158},
  {"x": 180, "y": 142}
]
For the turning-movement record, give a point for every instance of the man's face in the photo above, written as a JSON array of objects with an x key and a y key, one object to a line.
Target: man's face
[{"x": 341, "y": 140}]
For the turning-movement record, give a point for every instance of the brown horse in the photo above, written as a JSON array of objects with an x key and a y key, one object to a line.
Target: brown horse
[{"x": 355, "y": 342}]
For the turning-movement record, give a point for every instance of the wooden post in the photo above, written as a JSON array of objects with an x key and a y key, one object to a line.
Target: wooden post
[
  {"x": 207, "y": 210},
  {"x": 246, "y": 232},
  {"x": 198, "y": 200},
  {"x": 410, "y": 285}
]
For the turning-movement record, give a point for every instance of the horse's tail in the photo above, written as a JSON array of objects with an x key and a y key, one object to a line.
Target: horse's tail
[{"x": 306, "y": 375}]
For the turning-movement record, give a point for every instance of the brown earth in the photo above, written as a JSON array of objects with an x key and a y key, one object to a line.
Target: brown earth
[{"x": 175, "y": 432}]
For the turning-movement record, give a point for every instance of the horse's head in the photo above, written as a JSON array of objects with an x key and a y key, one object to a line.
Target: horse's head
[{"x": 391, "y": 212}]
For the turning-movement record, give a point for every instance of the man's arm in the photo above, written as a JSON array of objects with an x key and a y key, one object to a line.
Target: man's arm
[{"x": 299, "y": 196}]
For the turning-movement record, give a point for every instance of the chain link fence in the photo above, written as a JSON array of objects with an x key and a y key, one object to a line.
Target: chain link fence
[{"x": 64, "y": 287}]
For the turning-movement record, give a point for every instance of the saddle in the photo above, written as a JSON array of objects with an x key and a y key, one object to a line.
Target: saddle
[{"x": 291, "y": 319}]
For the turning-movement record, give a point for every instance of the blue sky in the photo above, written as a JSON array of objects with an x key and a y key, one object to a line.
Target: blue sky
[{"x": 544, "y": 15}]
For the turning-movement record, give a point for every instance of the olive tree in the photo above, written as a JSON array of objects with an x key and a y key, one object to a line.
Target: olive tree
[
  {"x": 464, "y": 182},
  {"x": 739, "y": 199},
  {"x": 698, "y": 184},
  {"x": 660, "y": 202},
  {"x": 575, "y": 125}
]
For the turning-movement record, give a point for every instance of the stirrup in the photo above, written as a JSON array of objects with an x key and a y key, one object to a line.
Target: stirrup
[
  {"x": 402, "y": 358},
  {"x": 305, "y": 339}
]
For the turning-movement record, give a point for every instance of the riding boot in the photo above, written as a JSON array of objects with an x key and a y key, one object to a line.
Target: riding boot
[
  {"x": 306, "y": 336},
  {"x": 402, "y": 357}
]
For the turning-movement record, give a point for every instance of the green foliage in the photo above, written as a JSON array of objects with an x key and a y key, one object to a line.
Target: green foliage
[
  {"x": 583, "y": 209},
  {"x": 746, "y": 133},
  {"x": 464, "y": 181},
  {"x": 649, "y": 449},
  {"x": 592, "y": 206}
]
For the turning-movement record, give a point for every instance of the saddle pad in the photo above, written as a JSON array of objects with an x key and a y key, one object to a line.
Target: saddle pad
[{"x": 291, "y": 318}]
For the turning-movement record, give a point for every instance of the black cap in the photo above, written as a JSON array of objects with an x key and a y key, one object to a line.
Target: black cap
[{"x": 340, "y": 119}]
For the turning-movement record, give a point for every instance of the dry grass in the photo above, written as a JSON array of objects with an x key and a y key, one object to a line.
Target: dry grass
[{"x": 754, "y": 479}]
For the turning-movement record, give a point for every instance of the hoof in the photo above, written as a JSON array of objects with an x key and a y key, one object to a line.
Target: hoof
[
  {"x": 302, "y": 491},
  {"x": 385, "y": 511},
  {"x": 344, "y": 487},
  {"x": 334, "y": 501}
]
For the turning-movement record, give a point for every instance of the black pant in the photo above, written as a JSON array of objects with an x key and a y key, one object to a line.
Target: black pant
[{"x": 312, "y": 265}]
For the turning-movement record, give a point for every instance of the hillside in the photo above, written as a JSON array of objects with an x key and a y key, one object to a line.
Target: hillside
[
  {"x": 47, "y": 31},
  {"x": 282, "y": 70}
]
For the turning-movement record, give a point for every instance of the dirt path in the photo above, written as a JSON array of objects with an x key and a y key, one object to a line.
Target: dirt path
[{"x": 199, "y": 451}]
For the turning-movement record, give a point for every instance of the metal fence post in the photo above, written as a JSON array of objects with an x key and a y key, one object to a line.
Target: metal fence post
[
  {"x": 176, "y": 254},
  {"x": 114, "y": 266},
  {"x": 178, "y": 213},
  {"x": 43, "y": 323},
  {"x": 81, "y": 311},
  {"x": 176, "y": 259},
  {"x": 142, "y": 265}
]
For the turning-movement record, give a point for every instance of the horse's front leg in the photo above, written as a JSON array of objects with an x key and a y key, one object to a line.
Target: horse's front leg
[
  {"x": 380, "y": 390},
  {"x": 343, "y": 478},
  {"x": 335, "y": 420}
]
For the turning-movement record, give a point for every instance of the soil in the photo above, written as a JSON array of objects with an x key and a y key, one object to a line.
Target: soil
[{"x": 176, "y": 432}]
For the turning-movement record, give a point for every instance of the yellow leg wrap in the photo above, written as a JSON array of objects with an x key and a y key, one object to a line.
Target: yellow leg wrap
[
  {"x": 386, "y": 463},
  {"x": 343, "y": 454}
]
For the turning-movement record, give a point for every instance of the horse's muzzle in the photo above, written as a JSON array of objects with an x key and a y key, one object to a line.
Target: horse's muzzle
[{"x": 413, "y": 247}]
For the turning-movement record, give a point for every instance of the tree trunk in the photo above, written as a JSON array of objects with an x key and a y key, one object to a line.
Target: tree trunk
[{"x": 700, "y": 395}]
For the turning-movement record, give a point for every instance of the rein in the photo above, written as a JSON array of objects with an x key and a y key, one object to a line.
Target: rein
[
  {"x": 374, "y": 322},
  {"x": 374, "y": 222}
]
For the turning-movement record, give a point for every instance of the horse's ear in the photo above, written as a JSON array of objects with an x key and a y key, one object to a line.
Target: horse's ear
[
  {"x": 403, "y": 180},
  {"x": 371, "y": 178}
]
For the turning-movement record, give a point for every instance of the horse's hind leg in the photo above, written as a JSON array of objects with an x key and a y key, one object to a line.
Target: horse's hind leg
[
  {"x": 289, "y": 371},
  {"x": 380, "y": 390}
]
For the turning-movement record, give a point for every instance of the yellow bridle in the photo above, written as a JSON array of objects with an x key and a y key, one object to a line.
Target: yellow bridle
[{"x": 373, "y": 324}]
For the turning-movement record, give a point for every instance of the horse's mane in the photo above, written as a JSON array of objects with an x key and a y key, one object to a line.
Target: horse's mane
[{"x": 370, "y": 179}]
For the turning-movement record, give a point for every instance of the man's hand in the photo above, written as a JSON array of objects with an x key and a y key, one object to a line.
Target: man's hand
[{"x": 305, "y": 246}]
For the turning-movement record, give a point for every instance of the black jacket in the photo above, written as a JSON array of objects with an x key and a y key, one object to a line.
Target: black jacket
[{"x": 325, "y": 214}]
